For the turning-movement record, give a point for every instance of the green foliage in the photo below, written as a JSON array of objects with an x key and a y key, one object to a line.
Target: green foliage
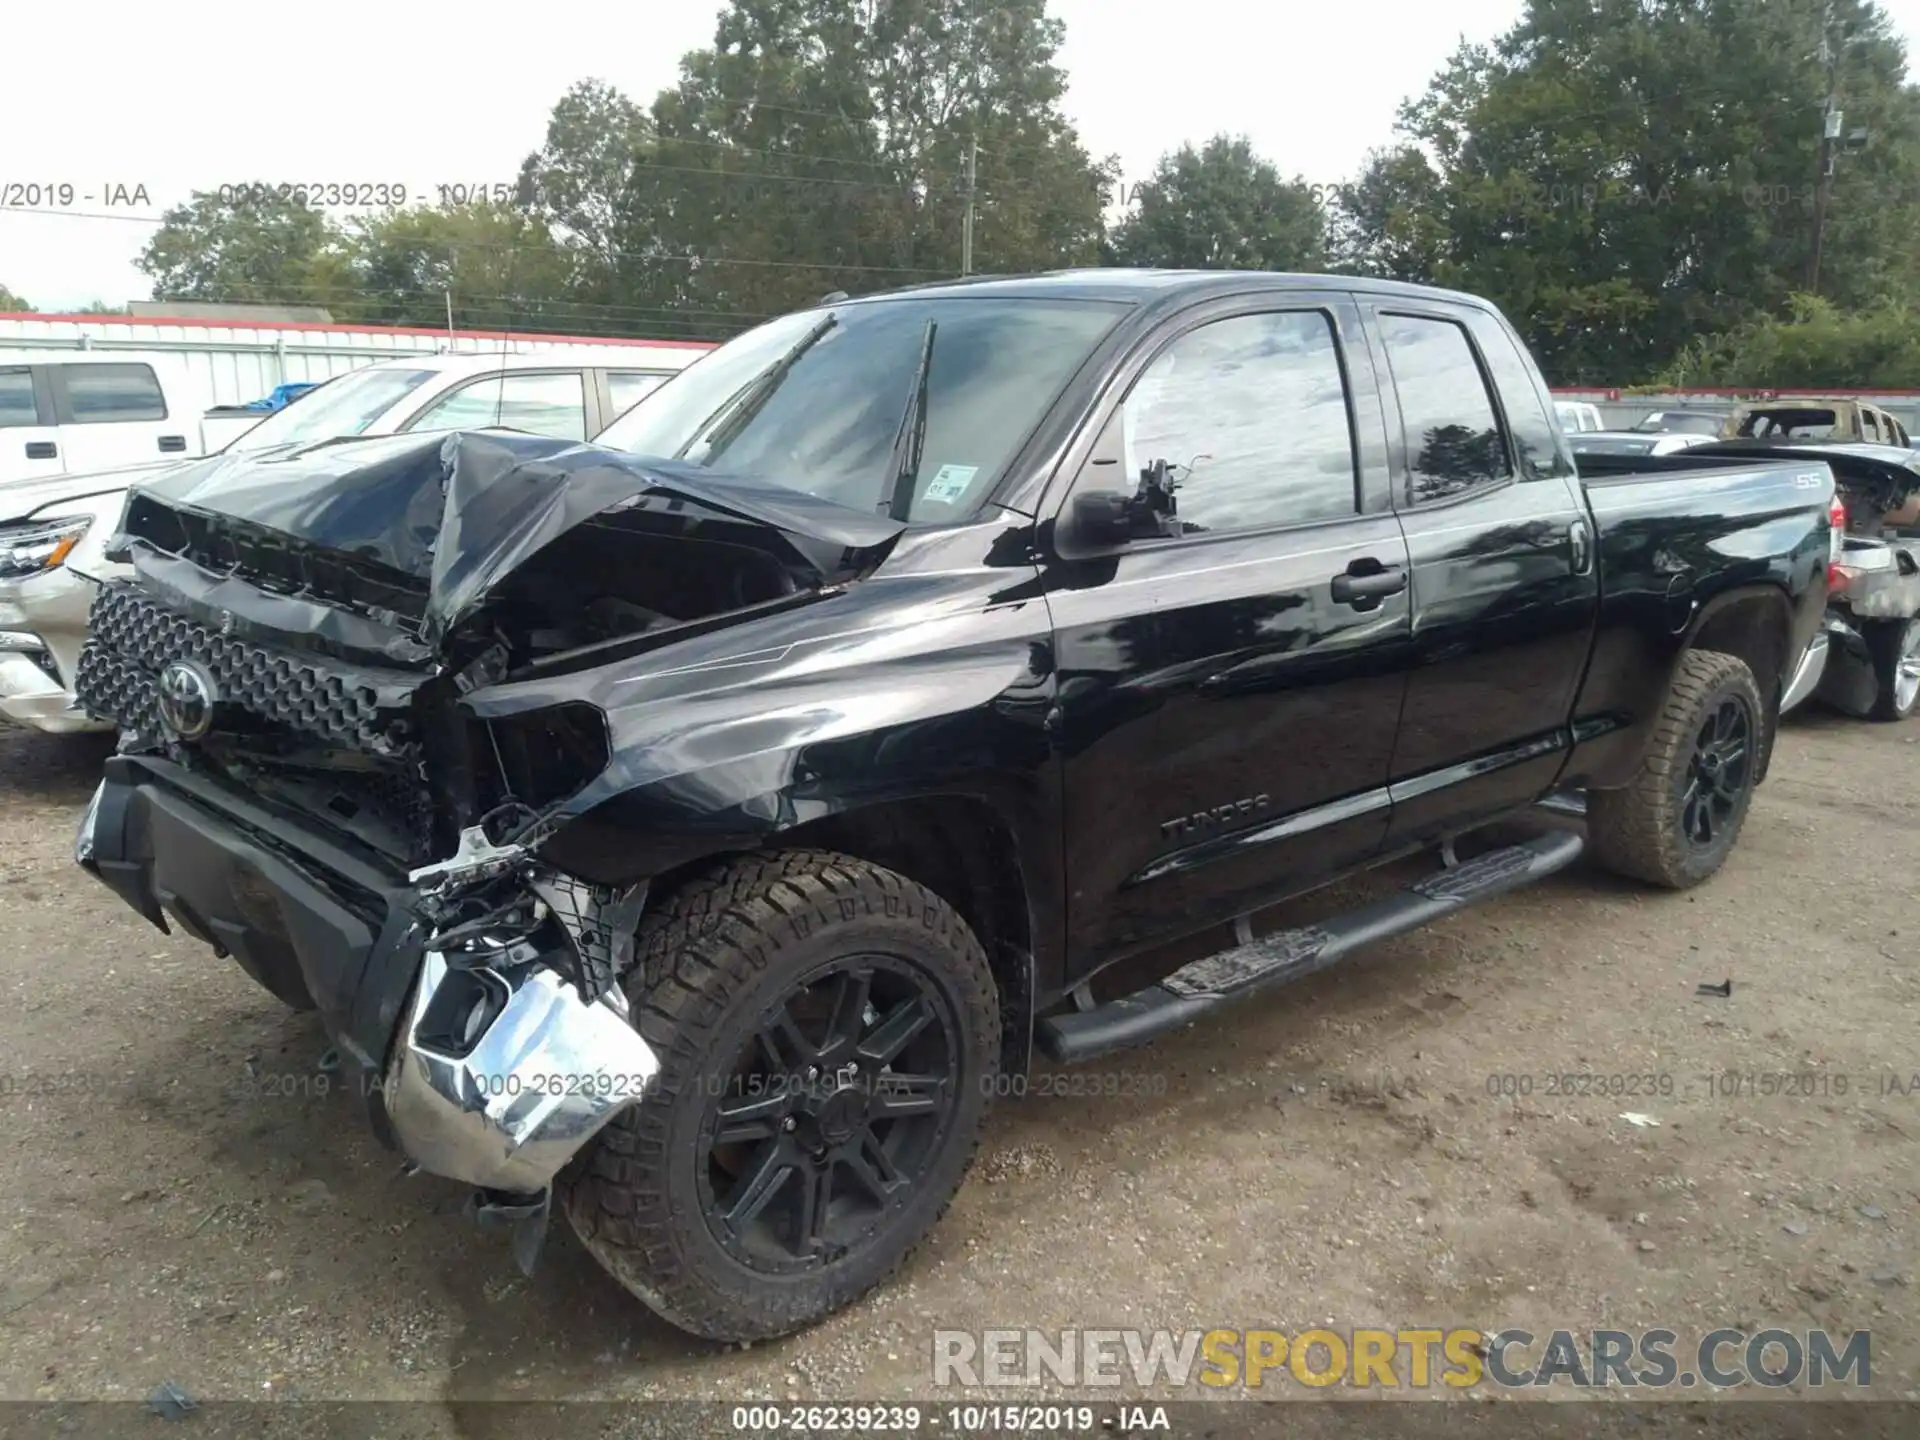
[
  {"x": 1221, "y": 207},
  {"x": 1816, "y": 344},
  {"x": 265, "y": 250},
  {"x": 823, "y": 144},
  {"x": 1623, "y": 175},
  {"x": 12, "y": 303},
  {"x": 500, "y": 267}
]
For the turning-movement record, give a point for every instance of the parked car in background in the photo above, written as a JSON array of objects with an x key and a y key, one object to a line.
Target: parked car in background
[
  {"x": 66, "y": 412},
  {"x": 1577, "y": 416},
  {"x": 1688, "y": 421},
  {"x": 1628, "y": 442},
  {"x": 983, "y": 668},
  {"x": 54, "y": 531},
  {"x": 1838, "y": 421}
]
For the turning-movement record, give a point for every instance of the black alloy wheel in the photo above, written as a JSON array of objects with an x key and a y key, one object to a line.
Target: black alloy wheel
[
  {"x": 1715, "y": 781},
  {"x": 829, "y": 1117}
]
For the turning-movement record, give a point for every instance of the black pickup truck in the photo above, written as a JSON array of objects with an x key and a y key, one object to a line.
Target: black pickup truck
[{"x": 694, "y": 831}]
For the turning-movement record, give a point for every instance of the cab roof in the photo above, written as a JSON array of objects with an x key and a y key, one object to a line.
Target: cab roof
[{"x": 1142, "y": 287}]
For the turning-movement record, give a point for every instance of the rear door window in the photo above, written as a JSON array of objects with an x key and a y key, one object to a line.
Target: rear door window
[
  {"x": 1453, "y": 437},
  {"x": 17, "y": 405},
  {"x": 107, "y": 394}
]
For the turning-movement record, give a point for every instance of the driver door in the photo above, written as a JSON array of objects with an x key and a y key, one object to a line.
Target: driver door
[{"x": 1229, "y": 694}]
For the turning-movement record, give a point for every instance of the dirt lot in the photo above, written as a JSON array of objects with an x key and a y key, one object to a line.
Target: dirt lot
[{"x": 1331, "y": 1153}]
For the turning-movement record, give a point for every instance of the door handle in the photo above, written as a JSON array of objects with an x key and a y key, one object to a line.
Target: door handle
[
  {"x": 42, "y": 450},
  {"x": 173, "y": 444},
  {"x": 1365, "y": 588},
  {"x": 1580, "y": 541}
]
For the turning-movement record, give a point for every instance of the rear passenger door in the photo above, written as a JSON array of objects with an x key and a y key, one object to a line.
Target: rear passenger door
[
  {"x": 540, "y": 402},
  {"x": 29, "y": 442},
  {"x": 116, "y": 413},
  {"x": 1229, "y": 689},
  {"x": 1505, "y": 594}
]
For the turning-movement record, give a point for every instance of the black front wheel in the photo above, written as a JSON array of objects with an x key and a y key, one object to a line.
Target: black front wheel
[
  {"x": 1677, "y": 822},
  {"x": 828, "y": 1037}
]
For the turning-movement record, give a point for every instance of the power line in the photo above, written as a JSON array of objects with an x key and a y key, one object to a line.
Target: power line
[{"x": 641, "y": 255}]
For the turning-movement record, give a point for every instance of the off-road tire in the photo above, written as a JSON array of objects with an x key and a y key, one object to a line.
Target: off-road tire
[
  {"x": 1886, "y": 641},
  {"x": 714, "y": 953},
  {"x": 1635, "y": 831}
]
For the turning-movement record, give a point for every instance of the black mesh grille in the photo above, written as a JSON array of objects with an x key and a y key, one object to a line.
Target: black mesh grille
[{"x": 132, "y": 639}]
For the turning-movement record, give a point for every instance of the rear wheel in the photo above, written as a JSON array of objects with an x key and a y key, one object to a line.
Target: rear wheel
[
  {"x": 1677, "y": 822},
  {"x": 828, "y": 1037},
  {"x": 1894, "y": 646}
]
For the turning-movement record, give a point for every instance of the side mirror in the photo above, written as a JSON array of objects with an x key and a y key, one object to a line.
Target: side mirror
[{"x": 1101, "y": 520}]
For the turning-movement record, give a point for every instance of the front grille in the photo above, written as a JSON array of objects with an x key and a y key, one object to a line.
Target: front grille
[{"x": 132, "y": 639}]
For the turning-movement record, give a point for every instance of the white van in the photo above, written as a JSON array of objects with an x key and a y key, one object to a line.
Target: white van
[{"x": 65, "y": 412}]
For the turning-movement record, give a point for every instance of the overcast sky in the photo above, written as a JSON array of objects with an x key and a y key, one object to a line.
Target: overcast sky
[{"x": 431, "y": 93}]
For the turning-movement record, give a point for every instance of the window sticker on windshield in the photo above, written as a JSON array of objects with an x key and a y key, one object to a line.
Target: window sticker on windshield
[{"x": 950, "y": 483}]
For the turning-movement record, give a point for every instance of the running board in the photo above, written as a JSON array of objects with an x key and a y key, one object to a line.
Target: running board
[{"x": 1217, "y": 980}]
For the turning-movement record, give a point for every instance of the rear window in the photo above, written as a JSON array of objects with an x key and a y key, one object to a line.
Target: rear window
[
  {"x": 1796, "y": 424},
  {"x": 103, "y": 394}
]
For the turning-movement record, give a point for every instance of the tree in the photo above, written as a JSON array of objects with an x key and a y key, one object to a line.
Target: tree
[
  {"x": 595, "y": 185},
  {"x": 1621, "y": 175},
  {"x": 1390, "y": 219},
  {"x": 12, "y": 303},
  {"x": 1221, "y": 207},
  {"x": 267, "y": 249},
  {"x": 824, "y": 144},
  {"x": 1816, "y": 344},
  {"x": 496, "y": 264}
]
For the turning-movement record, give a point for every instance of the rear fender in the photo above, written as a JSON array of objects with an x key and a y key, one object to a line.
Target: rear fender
[{"x": 1757, "y": 622}]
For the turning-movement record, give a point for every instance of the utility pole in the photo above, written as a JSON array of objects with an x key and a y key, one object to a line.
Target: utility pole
[
  {"x": 966, "y": 230},
  {"x": 1830, "y": 122}
]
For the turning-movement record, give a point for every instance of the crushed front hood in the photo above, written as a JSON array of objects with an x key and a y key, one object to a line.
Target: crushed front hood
[{"x": 461, "y": 512}]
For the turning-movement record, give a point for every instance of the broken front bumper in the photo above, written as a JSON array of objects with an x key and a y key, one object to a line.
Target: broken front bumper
[{"x": 495, "y": 1074}]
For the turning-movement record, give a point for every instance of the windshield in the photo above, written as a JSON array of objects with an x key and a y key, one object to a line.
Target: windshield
[
  {"x": 345, "y": 405},
  {"x": 818, "y": 406}
]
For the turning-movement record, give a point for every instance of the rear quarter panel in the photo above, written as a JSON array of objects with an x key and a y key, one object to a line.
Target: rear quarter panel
[{"x": 1677, "y": 546}]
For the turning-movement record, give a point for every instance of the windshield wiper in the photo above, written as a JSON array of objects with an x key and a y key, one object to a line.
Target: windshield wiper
[
  {"x": 903, "y": 471},
  {"x": 751, "y": 398}
]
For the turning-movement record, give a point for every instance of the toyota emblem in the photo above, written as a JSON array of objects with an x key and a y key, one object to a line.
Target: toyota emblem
[{"x": 186, "y": 699}]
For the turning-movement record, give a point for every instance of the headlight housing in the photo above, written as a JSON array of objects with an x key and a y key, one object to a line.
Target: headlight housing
[{"x": 33, "y": 546}]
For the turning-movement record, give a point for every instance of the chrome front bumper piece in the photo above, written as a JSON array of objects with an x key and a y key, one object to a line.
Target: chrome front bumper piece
[
  {"x": 500, "y": 1075},
  {"x": 486, "y": 1068}
]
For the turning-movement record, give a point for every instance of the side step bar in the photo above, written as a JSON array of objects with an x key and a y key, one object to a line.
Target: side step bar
[{"x": 1208, "y": 984}]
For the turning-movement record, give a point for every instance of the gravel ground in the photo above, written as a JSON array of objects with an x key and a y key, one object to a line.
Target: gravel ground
[{"x": 180, "y": 1203}]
